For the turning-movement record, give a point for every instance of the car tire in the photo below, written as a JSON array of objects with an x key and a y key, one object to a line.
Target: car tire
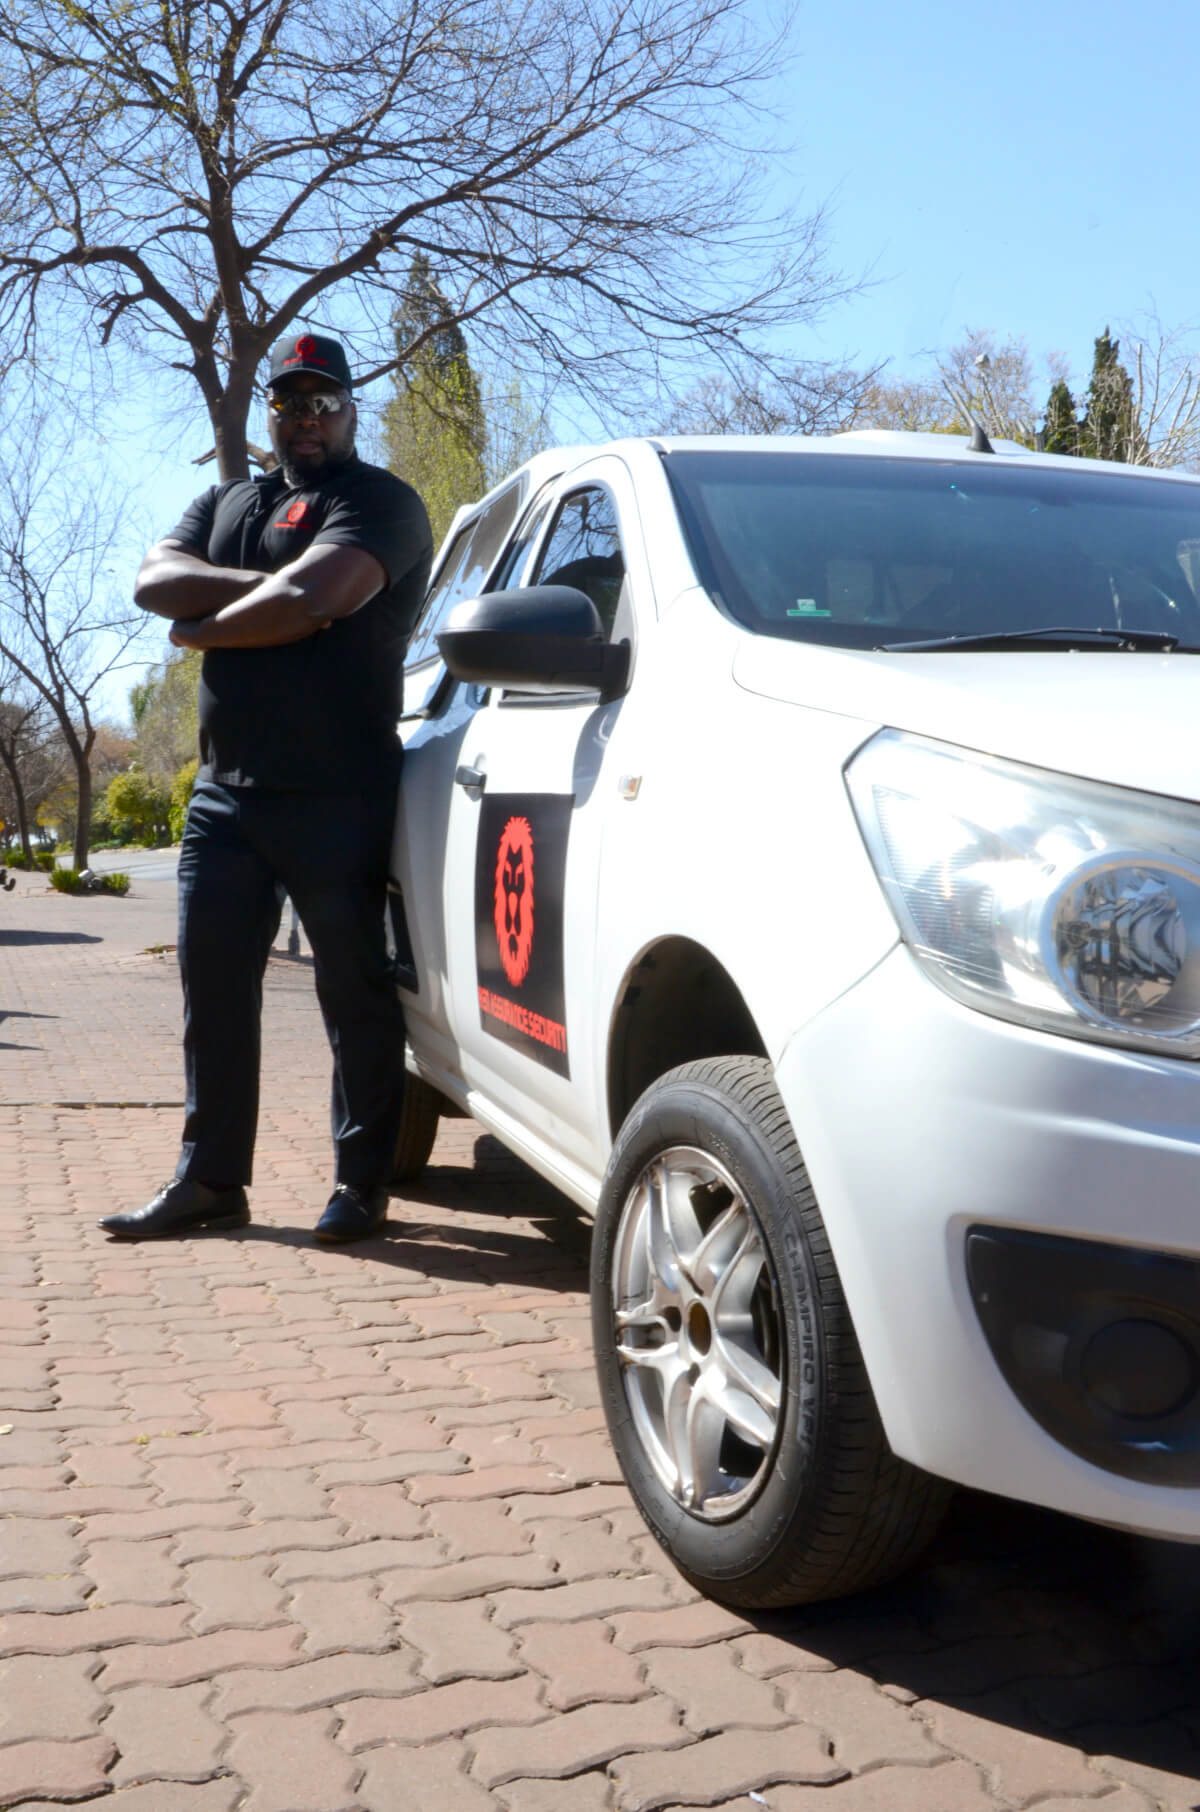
[
  {"x": 418, "y": 1129},
  {"x": 735, "y": 1392}
]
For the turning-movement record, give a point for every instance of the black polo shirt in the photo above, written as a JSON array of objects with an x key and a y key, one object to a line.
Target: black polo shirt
[{"x": 317, "y": 715}]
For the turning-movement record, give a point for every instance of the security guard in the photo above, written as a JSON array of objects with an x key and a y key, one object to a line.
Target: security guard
[{"x": 301, "y": 587}]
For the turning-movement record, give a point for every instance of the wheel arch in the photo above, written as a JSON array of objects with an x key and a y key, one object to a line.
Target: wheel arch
[{"x": 676, "y": 1004}]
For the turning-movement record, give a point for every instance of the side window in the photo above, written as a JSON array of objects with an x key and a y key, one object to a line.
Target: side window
[
  {"x": 514, "y": 568},
  {"x": 583, "y": 549},
  {"x": 463, "y": 572}
]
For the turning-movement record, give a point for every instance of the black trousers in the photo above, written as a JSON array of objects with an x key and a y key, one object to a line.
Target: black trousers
[{"x": 241, "y": 848}]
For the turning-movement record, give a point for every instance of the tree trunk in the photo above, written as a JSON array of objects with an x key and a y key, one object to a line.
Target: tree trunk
[
  {"x": 228, "y": 410},
  {"x": 22, "y": 817},
  {"x": 19, "y": 801},
  {"x": 83, "y": 821}
]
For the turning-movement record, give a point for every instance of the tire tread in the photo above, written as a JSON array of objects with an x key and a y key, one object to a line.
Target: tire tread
[
  {"x": 874, "y": 1513},
  {"x": 418, "y": 1129}
]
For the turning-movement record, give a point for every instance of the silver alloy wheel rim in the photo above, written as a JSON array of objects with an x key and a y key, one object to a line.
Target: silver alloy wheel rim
[{"x": 698, "y": 1333}]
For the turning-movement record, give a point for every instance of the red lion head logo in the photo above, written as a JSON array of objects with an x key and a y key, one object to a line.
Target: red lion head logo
[{"x": 514, "y": 899}]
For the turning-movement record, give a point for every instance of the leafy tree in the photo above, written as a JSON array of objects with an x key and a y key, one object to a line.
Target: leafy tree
[
  {"x": 1061, "y": 433},
  {"x": 137, "y": 808},
  {"x": 181, "y": 792},
  {"x": 111, "y": 753},
  {"x": 193, "y": 179},
  {"x": 163, "y": 708},
  {"x": 433, "y": 428},
  {"x": 1111, "y": 428}
]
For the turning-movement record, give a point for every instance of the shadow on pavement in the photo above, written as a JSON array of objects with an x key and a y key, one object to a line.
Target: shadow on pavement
[
  {"x": 1086, "y": 1636},
  {"x": 11, "y": 935},
  {"x": 11, "y": 1013},
  {"x": 552, "y": 1255}
]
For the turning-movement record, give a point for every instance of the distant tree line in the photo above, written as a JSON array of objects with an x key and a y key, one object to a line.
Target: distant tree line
[{"x": 1143, "y": 409}]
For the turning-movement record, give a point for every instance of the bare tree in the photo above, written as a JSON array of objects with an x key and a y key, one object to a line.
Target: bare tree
[
  {"x": 61, "y": 632},
  {"x": 981, "y": 379},
  {"x": 809, "y": 398},
  {"x": 911, "y": 405},
  {"x": 990, "y": 382},
  {"x": 31, "y": 757},
  {"x": 1161, "y": 424},
  {"x": 201, "y": 177}
]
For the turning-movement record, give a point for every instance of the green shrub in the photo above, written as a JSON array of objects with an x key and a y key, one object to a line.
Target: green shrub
[
  {"x": 181, "y": 792},
  {"x": 15, "y": 860},
  {"x": 45, "y": 860},
  {"x": 136, "y": 805},
  {"x": 66, "y": 880}
]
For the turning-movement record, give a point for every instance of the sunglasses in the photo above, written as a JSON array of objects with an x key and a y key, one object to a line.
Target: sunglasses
[{"x": 316, "y": 402}]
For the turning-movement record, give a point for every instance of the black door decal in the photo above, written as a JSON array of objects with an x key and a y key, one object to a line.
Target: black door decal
[{"x": 520, "y": 874}]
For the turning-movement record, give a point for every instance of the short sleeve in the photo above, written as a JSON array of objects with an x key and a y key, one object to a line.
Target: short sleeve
[
  {"x": 386, "y": 518},
  {"x": 195, "y": 526}
]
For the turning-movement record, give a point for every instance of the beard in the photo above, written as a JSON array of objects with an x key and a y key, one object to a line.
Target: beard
[{"x": 310, "y": 468}]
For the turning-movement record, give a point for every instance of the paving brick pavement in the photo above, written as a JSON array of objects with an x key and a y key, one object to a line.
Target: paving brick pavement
[{"x": 294, "y": 1530}]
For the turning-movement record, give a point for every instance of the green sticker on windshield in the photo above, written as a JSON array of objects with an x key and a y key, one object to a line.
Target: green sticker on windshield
[{"x": 807, "y": 607}]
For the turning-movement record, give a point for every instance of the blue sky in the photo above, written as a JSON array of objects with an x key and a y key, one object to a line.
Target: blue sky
[{"x": 1030, "y": 169}]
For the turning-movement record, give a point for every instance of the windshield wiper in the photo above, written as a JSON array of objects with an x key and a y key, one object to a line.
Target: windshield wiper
[{"x": 1129, "y": 640}]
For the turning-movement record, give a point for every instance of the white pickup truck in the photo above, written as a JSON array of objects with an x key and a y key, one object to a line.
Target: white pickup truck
[{"x": 799, "y": 865}]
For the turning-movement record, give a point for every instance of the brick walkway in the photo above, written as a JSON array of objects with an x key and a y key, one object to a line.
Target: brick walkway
[{"x": 304, "y": 1531}]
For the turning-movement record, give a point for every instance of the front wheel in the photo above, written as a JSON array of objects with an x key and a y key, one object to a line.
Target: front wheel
[
  {"x": 419, "y": 1117},
  {"x": 736, "y": 1395}
]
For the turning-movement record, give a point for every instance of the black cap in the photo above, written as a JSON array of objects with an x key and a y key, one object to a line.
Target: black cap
[{"x": 310, "y": 352}]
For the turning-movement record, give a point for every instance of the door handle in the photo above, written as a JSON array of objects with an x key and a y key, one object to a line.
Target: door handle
[{"x": 473, "y": 780}]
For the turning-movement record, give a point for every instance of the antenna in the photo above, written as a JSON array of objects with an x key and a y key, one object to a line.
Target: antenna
[{"x": 979, "y": 440}]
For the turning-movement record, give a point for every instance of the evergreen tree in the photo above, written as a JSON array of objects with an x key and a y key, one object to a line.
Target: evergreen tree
[
  {"x": 433, "y": 428},
  {"x": 1061, "y": 432},
  {"x": 1110, "y": 429}
]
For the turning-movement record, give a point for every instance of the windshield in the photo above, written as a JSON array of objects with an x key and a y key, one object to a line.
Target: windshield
[{"x": 857, "y": 551}]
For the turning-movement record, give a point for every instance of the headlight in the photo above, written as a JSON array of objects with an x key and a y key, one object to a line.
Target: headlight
[{"x": 1054, "y": 902}]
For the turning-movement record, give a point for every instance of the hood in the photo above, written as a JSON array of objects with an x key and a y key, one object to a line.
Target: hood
[{"x": 1132, "y": 720}]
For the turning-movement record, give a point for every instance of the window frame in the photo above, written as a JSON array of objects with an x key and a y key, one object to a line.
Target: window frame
[
  {"x": 435, "y": 607},
  {"x": 573, "y": 484}
]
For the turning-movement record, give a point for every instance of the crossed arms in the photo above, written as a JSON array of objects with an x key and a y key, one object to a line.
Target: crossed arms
[{"x": 226, "y": 607}]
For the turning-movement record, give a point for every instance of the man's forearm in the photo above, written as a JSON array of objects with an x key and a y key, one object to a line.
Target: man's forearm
[
  {"x": 183, "y": 587},
  {"x": 274, "y": 613},
  {"x": 323, "y": 583}
]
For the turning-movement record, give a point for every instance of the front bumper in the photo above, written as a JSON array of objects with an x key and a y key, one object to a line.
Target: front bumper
[{"x": 921, "y": 1120}]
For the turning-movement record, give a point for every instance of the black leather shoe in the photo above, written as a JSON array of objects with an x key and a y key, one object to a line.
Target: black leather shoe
[
  {"x": 179, "y": 1206},
  {"x": 352, "y": 1214}
]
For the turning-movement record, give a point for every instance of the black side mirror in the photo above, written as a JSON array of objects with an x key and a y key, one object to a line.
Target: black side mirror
[{"x": 538, "y": 638}]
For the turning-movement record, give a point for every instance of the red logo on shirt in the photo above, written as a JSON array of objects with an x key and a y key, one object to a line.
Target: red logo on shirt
[{"x": 297, "y": 513}]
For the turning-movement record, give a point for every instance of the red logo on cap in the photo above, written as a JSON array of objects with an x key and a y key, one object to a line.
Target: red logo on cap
[{"x": 306, "y": 350}]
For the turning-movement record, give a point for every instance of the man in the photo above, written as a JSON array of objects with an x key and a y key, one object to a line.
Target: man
[{"x": 301, "y": 587}]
